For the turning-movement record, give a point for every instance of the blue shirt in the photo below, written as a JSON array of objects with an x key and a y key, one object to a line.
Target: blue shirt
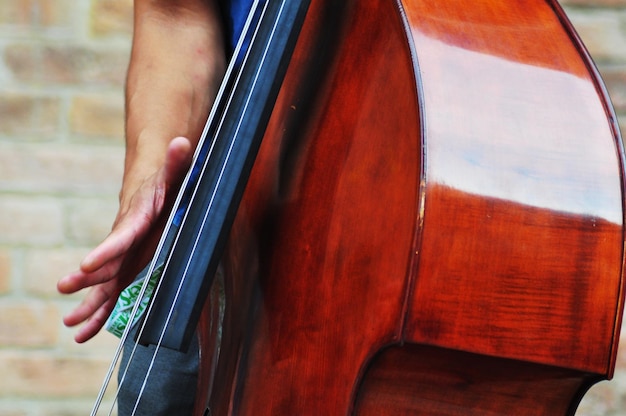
[{"x": 235, "y": 13}]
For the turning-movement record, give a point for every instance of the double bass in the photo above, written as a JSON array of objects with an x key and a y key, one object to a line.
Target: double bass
[{"x": 433, "y": 222}]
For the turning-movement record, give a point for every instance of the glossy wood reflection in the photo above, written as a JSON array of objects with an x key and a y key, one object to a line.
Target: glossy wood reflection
[
  {"x": 321, "y": 286},
  {"x": 524, "y": 192},
  {"x": 434, "y": 223}
]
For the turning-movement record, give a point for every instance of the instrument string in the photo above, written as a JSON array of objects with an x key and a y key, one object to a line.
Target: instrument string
[
  {"x": 232, "y": 69},
  {"x": 161, "y": 246},
  {"x": 208, "y": 210}
]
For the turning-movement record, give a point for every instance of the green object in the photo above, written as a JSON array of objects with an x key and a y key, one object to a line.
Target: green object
[{"x": 120, "y": 316}]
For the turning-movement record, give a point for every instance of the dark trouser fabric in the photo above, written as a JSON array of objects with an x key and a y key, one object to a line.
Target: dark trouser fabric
[{"x": 171, "y": 386}]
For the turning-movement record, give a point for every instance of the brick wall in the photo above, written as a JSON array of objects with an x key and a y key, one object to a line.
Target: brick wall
[
  {"x": 61, "y": 76},
  {"x": 602, "y": 26},
  {"x": 62, "y": 70}
]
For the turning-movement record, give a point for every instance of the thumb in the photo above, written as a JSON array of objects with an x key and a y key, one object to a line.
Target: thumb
[{"x": 177, "y": 160}]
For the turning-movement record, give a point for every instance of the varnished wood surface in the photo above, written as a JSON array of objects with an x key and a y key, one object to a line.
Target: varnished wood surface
[
  {"x": 434, "y": 176},
  {"x": 523, "y": 190},
  {"x": 337, "y": 180},
  {"x": 474, "y": 385}
]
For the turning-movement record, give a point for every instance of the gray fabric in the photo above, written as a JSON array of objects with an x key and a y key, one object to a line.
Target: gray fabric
[{"x": 171, "y": 386}]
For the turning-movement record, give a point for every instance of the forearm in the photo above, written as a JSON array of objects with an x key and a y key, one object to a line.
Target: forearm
[{"x": 176, "y": 65}]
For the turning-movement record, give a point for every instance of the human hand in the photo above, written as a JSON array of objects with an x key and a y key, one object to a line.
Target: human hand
[{"x": 113, "y": 264}]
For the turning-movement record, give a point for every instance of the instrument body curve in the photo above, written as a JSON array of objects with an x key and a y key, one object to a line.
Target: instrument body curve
[{"x": 433, "y": 225}]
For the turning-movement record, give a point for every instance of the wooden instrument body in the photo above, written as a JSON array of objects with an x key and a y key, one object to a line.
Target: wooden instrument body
[{"x": 434, "y": 223}]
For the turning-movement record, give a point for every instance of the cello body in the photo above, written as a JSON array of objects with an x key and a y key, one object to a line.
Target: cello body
[{"x": 433, "y": 225}]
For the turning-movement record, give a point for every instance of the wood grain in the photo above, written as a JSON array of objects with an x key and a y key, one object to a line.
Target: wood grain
[{"x": 434, "y": 224}]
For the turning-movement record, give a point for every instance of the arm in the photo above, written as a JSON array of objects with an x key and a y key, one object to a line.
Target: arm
[{"x": 176, "y": 64}]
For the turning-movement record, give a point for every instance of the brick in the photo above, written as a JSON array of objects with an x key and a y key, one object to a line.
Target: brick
[
  {"x": 594, "y": 3},
  {"x": 67, "y": 63},
  {"x": 65, "y": 14},
  {"x": 11, "y": 407},
  {"x": 30, "y": 221},
  {"x": 81, "y": 408},
  {"x": 44, "y": 267},
  {"x": 90, "y": 220},
  {"x": 103, "y": 344},
  {"x": 79, "y": 64},
  {"x": 601, "y": 399},
  {"x": 6, "y": 266},
  {"x": 23, "y": 61},
  {"x": 112, "y": 17},
  {"x": 66, "y": 408},
  {"x": 615, "y": 80},
  {"x": 46, "y": 407},
  {"x": 26, "y": 114},
  {"x": 16, "y": 12},
  {"x": 40, "y": 375},
  {"x": 607, "y": 398},
  {"x": 602, "y": 33},
  {"x": 28, "y": 324},
  {"x": 75, "y": 169},
  {"x": 40, "y": 13},
  {"x": 98, "y": 115}
]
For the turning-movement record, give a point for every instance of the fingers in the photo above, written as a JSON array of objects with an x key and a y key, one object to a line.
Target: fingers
[
  {"x": 108, "y": 267},
  {"x": 92, "y": 302},
  {"x": 94, "y": 311},
  {"x": 94, "y": 324},
  {"x": 131, "y": 229},
  {"x": 79, "y": 280},
  {"x": 117, "y": 243},
  {"x": 144, "y": 211}
]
